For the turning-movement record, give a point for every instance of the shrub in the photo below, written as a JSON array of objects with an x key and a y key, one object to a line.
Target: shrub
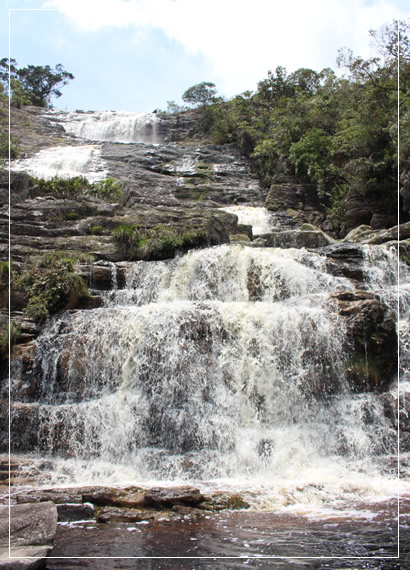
[
  {"x": 127, "y": 235},
  {"x": 97, "y": 230},
  {"x": 51, "y": 284},
  {"x": 108, "y": 190},
  {"x": 79, "y": 186},
  {"x": 9, "y": 335},
  {"x": 72, "y": 216},
  {"x": 4, "y": 147}
]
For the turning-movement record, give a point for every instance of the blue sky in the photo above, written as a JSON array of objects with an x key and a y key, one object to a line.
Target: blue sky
[{"x": 136, "y": 55}]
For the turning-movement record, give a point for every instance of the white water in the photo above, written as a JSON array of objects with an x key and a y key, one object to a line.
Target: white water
[
  {"x": 223, "y": 367},
  {"x": 259, "y": 218},
  {"x": 65, "y": 162},
  {"x": 112, "y": 126}
]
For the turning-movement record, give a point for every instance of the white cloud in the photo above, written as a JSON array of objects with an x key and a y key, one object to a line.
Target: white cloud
[{"x": 242, "y": 39}]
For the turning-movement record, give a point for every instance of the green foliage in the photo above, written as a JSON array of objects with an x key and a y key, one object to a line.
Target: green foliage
[
  {"x": 9, "y": 336},
  {"x": 201, "y": 94},
  {"x": 4, "y": 147},
  {"x": 63, "y": 187},
  {"x": 34, "y": 84},
  {"x": 51, "y": 284},
  {"x": 4, "y": 284},
  {"x": 78, "y": 186},
  {"x": 173, "y": 108},
  {"x": 107, "y": 189},
  {"x": 157, "y": 242},
  {"x": 337, "y": 133},
  {"x": 127, "y": 235},
  {"x": 97, "y": 230},
  {"x": 72, "y": 216}
]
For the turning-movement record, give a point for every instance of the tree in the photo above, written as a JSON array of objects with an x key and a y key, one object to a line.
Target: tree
[
  {"x": 34, "y": 84},
  {"x": 393, "y": 48},
  {"x": 201, "y": 94},
  {"x": 43, "y": 83}
]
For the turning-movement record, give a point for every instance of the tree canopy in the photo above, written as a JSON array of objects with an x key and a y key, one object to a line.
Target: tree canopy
[
  {"x": 201, "y": 94},
  {"x": 34, "y": 84}
]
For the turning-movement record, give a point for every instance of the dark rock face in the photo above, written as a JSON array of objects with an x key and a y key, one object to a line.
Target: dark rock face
[
  {"x": 367, "y": 209},
  {"x": 299, "y": 200}
]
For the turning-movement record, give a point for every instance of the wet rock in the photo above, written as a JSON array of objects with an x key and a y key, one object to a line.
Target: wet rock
[
  {"x": 182, "y": 174},
  {"x": 344, "y": 260},
  {"x": 371, "y": 340},
  {"x": 168, "y": 497},
  {"x": 33, "y": 528}
]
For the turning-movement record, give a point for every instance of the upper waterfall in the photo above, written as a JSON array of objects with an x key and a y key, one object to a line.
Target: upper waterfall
[{"x": 112, "y": 126}]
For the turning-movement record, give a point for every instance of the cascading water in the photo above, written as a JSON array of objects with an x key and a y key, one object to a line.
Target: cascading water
[
  {"x": 224, "y": 366},
  {"x": 85, "y": 159},
  {"x": 65, "y": 162},
  {"x": 256, "y": 216},
  {"x": 112, "y": 126}
]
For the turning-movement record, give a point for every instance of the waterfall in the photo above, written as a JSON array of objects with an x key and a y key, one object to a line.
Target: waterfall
[
  {"x": 259, "y": 218},
  {"x": 112, "y": 126},
  {"x": 225, "y": 364},
  {"x": 65, "y": 162}
]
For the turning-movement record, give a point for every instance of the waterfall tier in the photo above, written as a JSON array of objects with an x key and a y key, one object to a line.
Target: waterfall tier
[{"x": 224, "y": 364}]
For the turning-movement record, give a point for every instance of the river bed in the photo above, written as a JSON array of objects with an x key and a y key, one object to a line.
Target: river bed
[{"x": 242, "y": 539}]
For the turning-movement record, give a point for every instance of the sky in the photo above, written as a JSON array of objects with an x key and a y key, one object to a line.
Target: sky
[{"x": 136, "y": 55}]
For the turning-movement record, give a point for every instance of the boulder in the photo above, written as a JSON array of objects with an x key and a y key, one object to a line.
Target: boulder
[
  {"x": 307, "y": 235},
  {"x": 32, "y": 528}
]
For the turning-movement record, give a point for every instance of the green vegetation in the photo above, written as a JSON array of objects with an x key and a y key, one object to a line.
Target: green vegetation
[
  {"x": 9, "y": 335},
  {"x": 339, "y": 133},
  {"x": 97, "y": 230},
  {"x": 4, "y": 148},
  {"x": 158, "y": 242},
  {"x": 34, "y": 84},
  {"x": 4, "y": 284},
  {"x": 78, "y": 186},
  {"x": 201, "y": 94},
  {"x": 50, "y": 284}
]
